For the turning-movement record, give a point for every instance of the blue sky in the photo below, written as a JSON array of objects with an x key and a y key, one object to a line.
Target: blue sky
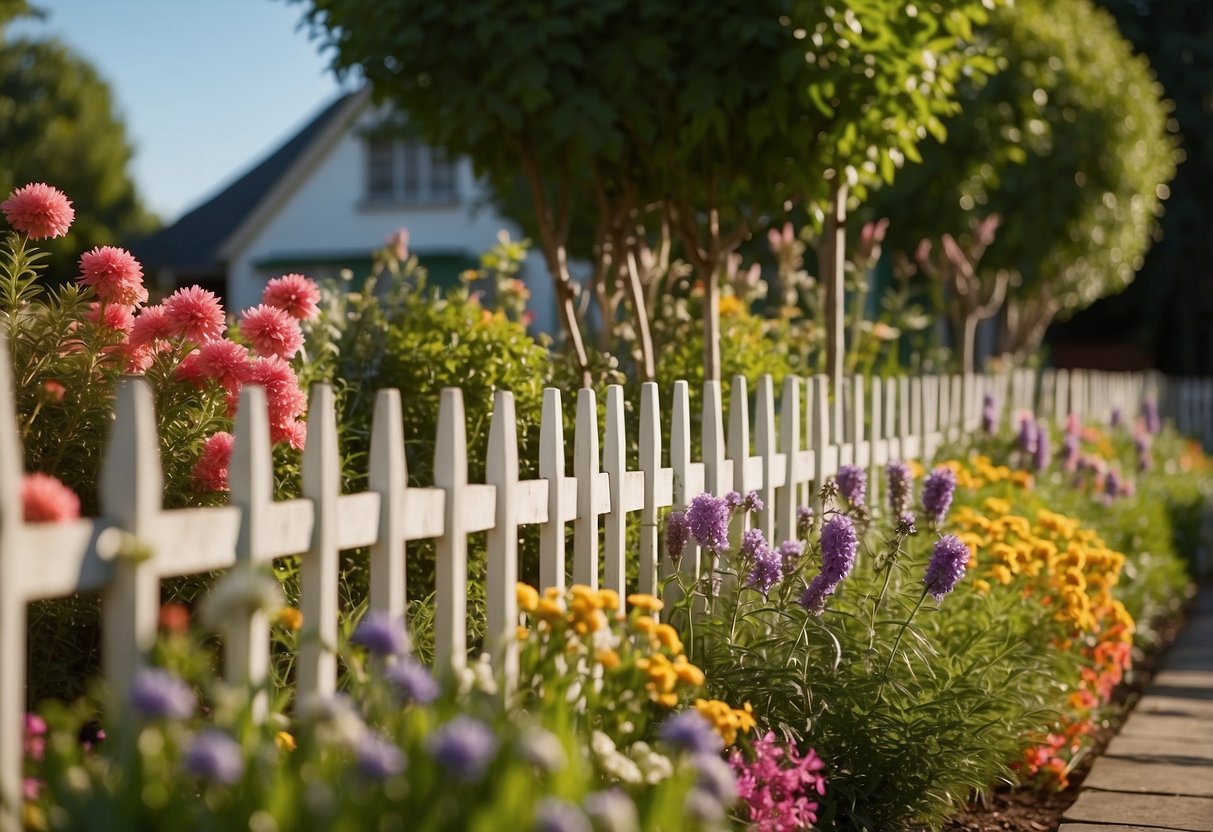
[{"x": 206, "y": 87}]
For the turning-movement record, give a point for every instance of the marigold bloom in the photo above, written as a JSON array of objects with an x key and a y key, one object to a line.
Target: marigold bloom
[
  {"x": 195, "y": 314},
  {"x": 39, "y": 211},
  {"x": 294, "y": 294},
  {"x": 271, "y": 331},
  {"x": 291, "y": 618},
  {"x": 285, "y": 741},
  {"x": 210, "y": 471},
  {"x": 644, "y": 601},
  {"x": 114, "y": 274},
  {"x": 44, "y": 499}
]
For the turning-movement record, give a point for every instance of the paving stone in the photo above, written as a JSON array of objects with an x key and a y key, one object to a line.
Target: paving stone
[
  {"x": 1151, "y": 777},
  {"x": 1190, "y": 814},
  {"x": 1104, "y": 827},
  {"x": 1158, "y": 701},
  {"x": 1163, "y": 749},
  {"x": 1167, "y": 726},
  {"x": 1179, "y": 680}
]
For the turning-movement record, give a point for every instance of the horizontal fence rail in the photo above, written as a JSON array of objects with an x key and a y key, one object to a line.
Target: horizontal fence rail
[{"x": 782, "y": 449}]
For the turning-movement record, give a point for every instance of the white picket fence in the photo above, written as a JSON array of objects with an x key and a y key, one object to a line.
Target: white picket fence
[{"x": 783, "y": 454}]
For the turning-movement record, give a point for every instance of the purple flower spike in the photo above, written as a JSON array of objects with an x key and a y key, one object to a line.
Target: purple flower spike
[
  {"x": 814, "y": 597},
  {"x": 161, "y": 695},
  {"x": 1111, "y": 484},
  {"x": 937, "y": 493},
  {"x": 753, "y": 542},
  {"x": 1043, "y": 452},
  {"x": 377, "y": 759},
  {"x": 1117, "y": 418},
  {"x": 1027, "y": 435},
  {"x": 900, "y": 483},
  {"x": 989, "y": 414},
  {"x": 381, "y": 634},
  {"x": 947, "y": 566},
  {"x": 852, "y": 484},
  {"x": 690, "y": 731},
  {"x": 790, "y": 553},
  {"x": 752, "y": 502},
  {"x": 708, "y": 519},
  {"x": 733, "y": 499},
  {"x": 1069, "y": 453},
  {"x": 213, "y": 755},
  {"x": 677, "y": 533},
  {"x": 464, "y": 747},
  {"x": 907, "y": 523},
  {"x": 1149, "y": 412},
  {"x": 767, "y": 570},
  {"x": 413, "y": 681},
  {"x": 804, "y": 520},
  {"x": 839, "y": 545}
]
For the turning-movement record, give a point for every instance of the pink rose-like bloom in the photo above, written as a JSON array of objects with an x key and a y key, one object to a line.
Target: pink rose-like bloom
[
  {"x": 39, "y": 211},
  {"x": 292, "y": 433},
  {"x": 114, "y": 274},
  {"x": 139, "y": 357},
  {"x": 294, "y": 294},
  {"x": 195, "y": 314},
  {"x": 285, "y": 401},
  {"x": 151, "y": 325},
  {"x": 210, "y": 471},
  {"x": 189, "y": 370},
  {"x": 115, "y": 316},
  {"x": 44, "y": 499},
  {"x": 226, "y": 362},
  {"x": 271, "y": 331}
]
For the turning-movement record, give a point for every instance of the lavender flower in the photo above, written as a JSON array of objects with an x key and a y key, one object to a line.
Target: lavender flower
[
  {"x": 937, "y": 493},
  {"x": 733, "y": 500},
  {"x": 377, "y": 759},
  {"x": 213, "y": 755},
  {"x": 464, "y": 747},
  {"x": 556, "y": 815},
  {"x": 753, "y": 542},
  {"x": 907, "y": 523},
  {"x": 1145, "y": 460},
  {"x": 1027, "y": 435},
  {"x": 677, "y": 533},
  {"x": 1069, "y": 453},
  {"x": 989, "y": 414},
  {"x": 947, "y": 566},
  {"x": 708, "y": 519},
  {"x": 381, "y": 634},
  {"x": 767, "y": 571},
  {"x": 412, "y": 681},
  {"x": 1043, "y": 452},
  {"x": 690, "y": 731},
  {"x": 852, "y": 484},
  {"x": 161, "y": 695},
  {"x": 1149, "y": 412},
  {"x": 900, "y": 482},
  {"x": 752, "y": 502},
  {"x": 1111, "y": 484},
  {"x": 839, "y": 545},
  {"x": 804, "y": 520},
  {"x": 790, "y": 553},
  {"x": 611, "y": 810},
  {"x": 1117, "y": 417},
  {"x": 815, "y": 594}
]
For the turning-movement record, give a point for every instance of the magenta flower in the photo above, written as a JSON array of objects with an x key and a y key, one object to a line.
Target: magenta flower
[
  {"x": 778, "y": 787},
  {"x": 114, "y": 316},
  {"x": 114, "y": 274},
  {"x": 852, "y": 484},
  {"x": 211, "y": 470},
  {"x": 44, "y": 499},
  {"x": 39, "y": 211},
  {"x": 226, "y": 362},
  {"x": 708, "y": 519},
  {"x": 151, "y": 325},
  {"x": 947, "y": 566},
  {"x": 294, "y": 294}
]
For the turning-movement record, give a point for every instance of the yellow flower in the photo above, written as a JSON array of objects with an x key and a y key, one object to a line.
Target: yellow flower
[
  {"x": 290, "y": 618},
  {"x": 528, "y": 597},
  {"x": 726, "y": 720},
  {"x": 688, "y": 673},
  {"x": 1001, "y": 574},
  {"x": 644, "y": 601},
  {"x": 668, "y": 637},
  {"x": 982, "y": 587},
  {"x": 729, "y": 305},
  {"x": 284, "y": 741},
  {"x": 608, "y": 599},
  {"x": 522, "y": 633},
  {"x": 550, "y": 610},
  {"x": 607, "y": 658},
  {"x": 644, "y": 625}
]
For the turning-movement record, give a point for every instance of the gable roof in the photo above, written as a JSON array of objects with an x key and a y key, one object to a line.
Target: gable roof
[{"x": 194, "y": 243}]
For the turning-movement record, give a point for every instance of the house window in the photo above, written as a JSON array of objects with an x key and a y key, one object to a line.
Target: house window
[{"x": 406, "y": 172}]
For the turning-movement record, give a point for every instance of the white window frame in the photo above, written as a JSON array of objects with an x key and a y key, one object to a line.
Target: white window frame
[{"x": 425, "y": 163}]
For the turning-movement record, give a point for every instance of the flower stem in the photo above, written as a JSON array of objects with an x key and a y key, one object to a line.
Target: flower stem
[{"x": 897, "y": 643}]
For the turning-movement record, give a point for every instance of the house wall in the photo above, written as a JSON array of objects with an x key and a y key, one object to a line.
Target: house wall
[{"x": 326, "y": 214}]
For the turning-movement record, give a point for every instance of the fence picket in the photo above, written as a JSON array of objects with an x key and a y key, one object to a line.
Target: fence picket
[
  {"x": 614, "y": 463},
  {"x": 771, "y": 471},
  {"x": 319, "y": 569},
  {"x": 551, "y": 468},
  {"x": 585, "y": 470},
  {"x": 650, "y": 466},
  {"x": 501, "y": 604},
  {"x": 789, "y": 446}
]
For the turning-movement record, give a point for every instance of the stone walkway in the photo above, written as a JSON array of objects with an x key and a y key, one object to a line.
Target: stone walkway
[{"x": 1157, "y": 774}]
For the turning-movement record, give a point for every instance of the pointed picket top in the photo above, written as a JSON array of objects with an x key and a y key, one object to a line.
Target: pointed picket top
[
  {"x": 789, "y": 445},
  {"x": 680, "y": 463},
  {"x": 614, "y": 462},
  {"x": 131, "y": 491},
  {"x": 388, "y": 476},
  {"x": 764, "y": 447},
  {"x": 451, "y": 568},
  {"x": 585, "y": 469},
  {"x": 320, "y": 566},
  {"x": 551, "y": 468},
  {"x": 501, "y": 602},
  {"x": 738, "y": 444},
  {"x": 11, "y": 454},
  {"x": 650, "y": 464},
  {"x": 715, "y": 480}
]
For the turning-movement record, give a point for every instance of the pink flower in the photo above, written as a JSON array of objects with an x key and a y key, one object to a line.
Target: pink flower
[
  {"x": 151, "y": 325},
  {"x": 271, "y": 331},
  {"x": 54, "y": 390},
  {"x": 115, "y": 316},
  {"x": 189, "y": 370},
  {"x": 398, "y": 242},
  {"x": 292, "y": 433},
  {"x": 286, "y": 402},
  {"x": 195, "y": 314},
  {"x": 114, "y": 274},
  {"x": 294, "y": 294},
  {"x": 224, "y": 361},
  {"x": 44, "y": 499},
  {"x": 39, "y": 211},
  {"x": 139, "y": 357},
  {"x": 210, "y": 471},
  {"x": 778, "y": 785}
]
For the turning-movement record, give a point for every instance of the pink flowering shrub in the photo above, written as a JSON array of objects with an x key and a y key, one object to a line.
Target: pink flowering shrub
[{"x": 777, "y": 789}]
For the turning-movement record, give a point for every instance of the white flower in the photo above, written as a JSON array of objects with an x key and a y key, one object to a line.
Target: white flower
[
  {"x": 618, "y": 767},
  {"x": 335, "y": 717},
  {"x": 654, "y": 767},
  {"x": 601, "y": 744},
  {"x": 244, "y": 590},
  {"x": 542, "y": 749}
]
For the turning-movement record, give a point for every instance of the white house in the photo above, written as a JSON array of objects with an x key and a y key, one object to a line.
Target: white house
[{"x": 326, "y": 199}]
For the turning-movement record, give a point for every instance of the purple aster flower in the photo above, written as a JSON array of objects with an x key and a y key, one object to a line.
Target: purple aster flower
[
  {"x": 556, "y": 815},
  {"x": 947, "y": 566},
  {"x": 378, "y": 759},
  {"x": 804, "y": 520},
  {"x": 790, "y": 553},
  {"x": 677, "y": 533},
  {"x": 213, "y": 755},
  {"x": 766, "y": 572},
  {"x": 690, "y": 731},
  {"x": 989, "y": 414},
  {"x": 412, "y": 681},
  {"x": 852, "y": 484},
  {"x": 381, "y": 634},
  {"x": 937, "y": 493},
  {"x": 611, "y": 810},
  {"x": 1149, "y": 412},
  {"x": 752, "y": 502},
  {"x": 815, "y": 594},
  {"x": 1117, "y": 417},
  {"x": 753, "y": 542},
  {"x": 733, "y": 500},
  {"x": 1027, "y": 434},
  {"x": 1069, "y": 453},
  {"x": 464, "y": 747},
  {"x": 708, "y": 519},
  {"x": 161, "y": 695},
  {"x": 907, "y": 523},
  {"x": 839, "y": 545},
  {"x": 900, "y": 482},
  {"x": 1043, "y": 452}
]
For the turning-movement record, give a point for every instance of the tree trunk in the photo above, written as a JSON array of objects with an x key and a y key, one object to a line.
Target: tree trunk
[
  {"x": 833, "y": 276},
  {"x": 968, "y": 342},
  {"x": 648, "y": 363},
  {"x": 711, "y": 322}
]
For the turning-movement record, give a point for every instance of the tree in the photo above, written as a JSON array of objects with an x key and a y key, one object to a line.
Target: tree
[
  {"x": 702, "y": 117},
  {"x": 1069, "y": 144},
  {"x": 59, "y": 127}
]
